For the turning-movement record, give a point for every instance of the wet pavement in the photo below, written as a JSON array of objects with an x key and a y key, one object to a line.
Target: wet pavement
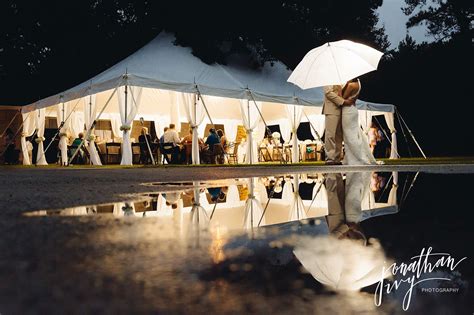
[{"x": 292, "y": 243}]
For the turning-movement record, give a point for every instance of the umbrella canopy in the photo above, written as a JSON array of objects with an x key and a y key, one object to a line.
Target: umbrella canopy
[{"x": 334, "y": 63}]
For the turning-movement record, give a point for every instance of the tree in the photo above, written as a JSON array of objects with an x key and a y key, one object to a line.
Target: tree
[
  {"x": 49, "y": 46},
  {"x": 445, "y": 19}
]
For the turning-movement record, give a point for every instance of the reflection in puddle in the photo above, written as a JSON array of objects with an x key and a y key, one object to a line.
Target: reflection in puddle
[
  {"x": 257, "y": 202},
  {"x": 277, "y": 232}
]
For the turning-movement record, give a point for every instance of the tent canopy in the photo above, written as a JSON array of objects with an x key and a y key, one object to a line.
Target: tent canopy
[{"x": 163, "y": 65}]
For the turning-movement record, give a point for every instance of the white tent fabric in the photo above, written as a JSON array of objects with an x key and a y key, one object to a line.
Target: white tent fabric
[
  {"x": 90, "y": 113},
  {"x": 163, "y": 65},
  {"x": 318, "y": 122},
  {"x": 253, "y": 206},
  {"x": 195, "y": 114},
  {"x": 162, "y": 68},
  {"x": 294, "y": 113},
  {"x": 297, "y": 210},
  {"x": 250, "y": 120},
  {"x": 389, "y": 119},
  {"x": 128, "y": 104},
  {"x": 63, "y": 111},
  {"x": 29, "y": 128},
  {"x": 40, "y": 122}
]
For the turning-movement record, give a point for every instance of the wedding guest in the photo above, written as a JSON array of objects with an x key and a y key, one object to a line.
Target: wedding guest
[
  {"x": 212, "y": 139},
  {"x": 145, "y": 157},
  {"x": 162, "y": 138},
  {"x": 223, "y": 138},
  {"x": 171, "y": 136},
  {"x": 373, "y": 136}
]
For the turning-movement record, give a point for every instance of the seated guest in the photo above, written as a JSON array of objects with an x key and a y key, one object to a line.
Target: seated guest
[
  {"x": 189, "y": 139},
  {"x": 212, "y": 139},
  {"x": 163, "y": 136},
  {"x": 145, "y": 157},
  {"x": 223, "y": 138},
  {"x": 171, "y": 137},
  {"x": 77, "y": 142}
]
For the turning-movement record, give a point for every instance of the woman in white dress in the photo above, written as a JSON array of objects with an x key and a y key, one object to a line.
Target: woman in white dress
[{"x": 356, "y": 147}]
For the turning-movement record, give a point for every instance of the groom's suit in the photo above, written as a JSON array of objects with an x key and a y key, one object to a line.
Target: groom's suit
[{"x": 332, "y": 109}]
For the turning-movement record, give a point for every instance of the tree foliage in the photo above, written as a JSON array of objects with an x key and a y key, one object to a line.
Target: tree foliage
[
  {"x": 445, "y": 19},
  {"x": 51, "y": 45}
]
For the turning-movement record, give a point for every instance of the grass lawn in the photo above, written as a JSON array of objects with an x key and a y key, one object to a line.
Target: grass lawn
[{"x": 402, "y": 161}]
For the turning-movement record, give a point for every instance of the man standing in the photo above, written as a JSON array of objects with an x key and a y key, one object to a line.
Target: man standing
[{"x": 332, "y": 109}]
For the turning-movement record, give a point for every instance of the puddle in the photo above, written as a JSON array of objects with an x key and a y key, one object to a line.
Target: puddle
[{"x": 313, "y": 242}]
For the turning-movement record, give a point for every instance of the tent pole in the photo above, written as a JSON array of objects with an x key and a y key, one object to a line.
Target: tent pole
[
  {"x": 209, "y": 116},
  {"x": 10, "y": 123},
  {"x": 312, "y": 127},
  {"x": 63, "y": 122},
  {"x": 315, "y": 195},
  {"x": 412, "y": 135},
  {"x": 282, "y": 160},
  {"x": 93, "y": 124},
  {"x": 16, "y": 134},
  {"x": 411, "y": 186},
  {"x": 272, "y": 192},
  {"x": 403, "y": 132},
  {"x": 385, "y": 134}
]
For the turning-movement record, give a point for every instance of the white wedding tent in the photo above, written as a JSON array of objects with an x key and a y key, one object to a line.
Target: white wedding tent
[{"x": 165, "y": 83}]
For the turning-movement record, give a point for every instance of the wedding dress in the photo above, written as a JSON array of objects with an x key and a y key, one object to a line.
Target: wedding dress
[{"x": 356, "y": 146}]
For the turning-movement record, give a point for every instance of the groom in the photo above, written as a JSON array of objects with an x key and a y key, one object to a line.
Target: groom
[{"x": 332, "y": 109}]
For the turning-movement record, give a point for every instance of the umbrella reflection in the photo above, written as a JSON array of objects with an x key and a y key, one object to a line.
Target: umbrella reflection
[{"x": 344, "y": 261}]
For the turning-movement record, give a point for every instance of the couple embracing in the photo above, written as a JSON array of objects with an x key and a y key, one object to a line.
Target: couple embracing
[{"x": 342, "y": 124}]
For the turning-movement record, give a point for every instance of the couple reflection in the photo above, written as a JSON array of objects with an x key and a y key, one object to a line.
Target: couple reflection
[
  {"x": 345, "y": 204},
  {"x": 345, "y": 260}
]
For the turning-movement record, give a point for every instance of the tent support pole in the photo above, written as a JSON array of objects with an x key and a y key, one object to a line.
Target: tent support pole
[
  {"x": 313, "y": 128},
  {"x": 404, "y": 135},
  {"x": 10, "y": 123},
  {"x": 93, "y": 124},
  {"x": 272, "y": 192},
  {"x": 412, "y": 135},
  {"x": 282, "y": 159},
  {"x": 63, "y": 122},
  {"x": 410, "y": 188},
  {"x": 209, "y": 116},
  {"x": 16, "y": 134},
  {"x": 385, "y": 134},
  {"x": 315, "y": 195}
]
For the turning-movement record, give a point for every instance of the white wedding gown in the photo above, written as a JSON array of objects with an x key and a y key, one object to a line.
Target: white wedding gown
[{"x": 356, "y": 145}]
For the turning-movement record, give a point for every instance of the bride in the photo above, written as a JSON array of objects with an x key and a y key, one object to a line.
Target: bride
[{"x": 356, "y": 147}]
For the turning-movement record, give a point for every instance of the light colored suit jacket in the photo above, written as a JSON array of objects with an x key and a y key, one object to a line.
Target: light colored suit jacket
[{"x": 332, "y": 101}]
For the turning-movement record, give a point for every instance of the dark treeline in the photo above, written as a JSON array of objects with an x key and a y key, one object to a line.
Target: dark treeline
[{"x": 49, "y": 46}]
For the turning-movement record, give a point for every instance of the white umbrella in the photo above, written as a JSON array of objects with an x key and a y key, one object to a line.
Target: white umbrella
[
  {"x": 343, "y": 265},
  {"x": 335, "y": 63}
]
